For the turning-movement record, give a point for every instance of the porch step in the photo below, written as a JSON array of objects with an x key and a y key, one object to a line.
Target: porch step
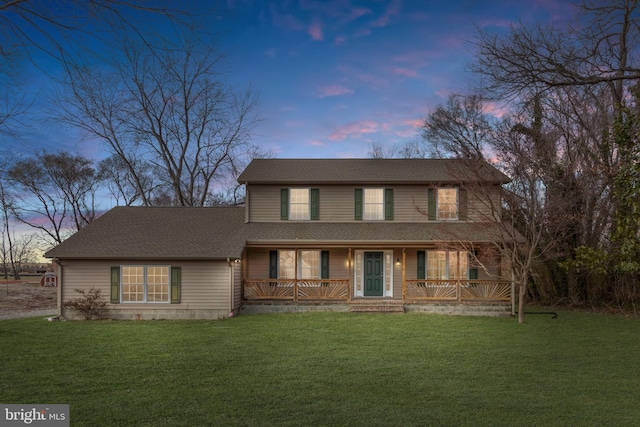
[{"x": 376, "y": 307}]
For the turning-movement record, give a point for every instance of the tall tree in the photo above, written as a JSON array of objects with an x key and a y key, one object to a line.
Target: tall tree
[
  {"x": 170, "y": 109},
  {"x": 55, "y": 193}
]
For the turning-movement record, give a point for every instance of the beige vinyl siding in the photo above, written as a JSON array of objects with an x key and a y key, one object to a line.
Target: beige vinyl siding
[
  {"x": 204, "y": 285},
  {"x": 337, "y": 203}
]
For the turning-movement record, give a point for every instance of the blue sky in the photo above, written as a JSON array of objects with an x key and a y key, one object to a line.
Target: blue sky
[{"x": 334, "y": 76}]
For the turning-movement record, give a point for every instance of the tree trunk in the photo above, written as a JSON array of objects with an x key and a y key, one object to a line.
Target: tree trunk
[{"x": 522, "y": 291}]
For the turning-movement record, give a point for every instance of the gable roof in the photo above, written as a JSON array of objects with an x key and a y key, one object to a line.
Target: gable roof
[
  {"x": 136, "y": 232},
  {"x": 369, "y": 171}
]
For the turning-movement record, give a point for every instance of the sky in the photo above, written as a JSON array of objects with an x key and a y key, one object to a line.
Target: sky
[{"x": 335, "y": 76}]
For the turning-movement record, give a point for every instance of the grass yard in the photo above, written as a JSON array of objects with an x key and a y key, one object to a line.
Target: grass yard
[{"x": 581, "y": 369}]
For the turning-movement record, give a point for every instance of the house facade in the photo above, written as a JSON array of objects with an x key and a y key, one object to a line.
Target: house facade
[{"x": 314, "y": 234}]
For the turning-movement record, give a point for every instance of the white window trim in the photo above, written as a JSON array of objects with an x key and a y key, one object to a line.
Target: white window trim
[
  {"x": 145, "y": 284},
  {"x": 447, "y": 264}
]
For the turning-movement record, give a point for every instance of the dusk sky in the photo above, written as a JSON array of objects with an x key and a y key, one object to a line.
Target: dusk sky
[{"x": 334, "y": 76}]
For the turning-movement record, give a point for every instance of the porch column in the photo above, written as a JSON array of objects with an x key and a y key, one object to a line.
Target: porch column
[
  {"x": 350, "y": 270},
  {"x": 404, "y": 274}
]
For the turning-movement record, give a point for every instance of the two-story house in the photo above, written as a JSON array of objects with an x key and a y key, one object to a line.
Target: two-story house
[{"x": 328, "y": 234}]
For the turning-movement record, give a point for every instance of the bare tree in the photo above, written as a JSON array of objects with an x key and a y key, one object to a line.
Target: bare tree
[
  {"x": 55, "y": 193},
  {"x": 599, "y": 50},
  {"x": 169, "y": 109}
]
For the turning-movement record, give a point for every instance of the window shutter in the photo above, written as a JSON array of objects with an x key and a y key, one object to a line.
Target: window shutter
[
  {"x": 324, "y": 265},
  {"x": 358, "y": 205},
  {"x": 284, "y": 203},
  {"x": 431, "y": 204},
  {"x": 115, "y": 285},
  {"x": 176, "y": 273},
  {"x": 422, "y": 264},
  {"x": 273, "y": 264},
  {"x": 388, "y": 204},
  {"x": 315, "y": 203},
  {"x": 462, "y": 204}
]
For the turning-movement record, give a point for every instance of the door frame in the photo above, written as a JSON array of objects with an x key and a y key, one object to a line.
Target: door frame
[{"x": 358, "y": 273}]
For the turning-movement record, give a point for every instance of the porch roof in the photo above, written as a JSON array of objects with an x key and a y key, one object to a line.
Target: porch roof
[
  {"x": 371, "y": 233},
  {"x": 136, "y": 232}
]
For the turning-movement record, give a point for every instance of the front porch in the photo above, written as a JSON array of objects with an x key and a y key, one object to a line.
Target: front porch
[{"x": 375, "y": 279}]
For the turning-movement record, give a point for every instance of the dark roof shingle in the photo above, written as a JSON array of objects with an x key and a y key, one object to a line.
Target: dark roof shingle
[
  {"x": 409, "y": 171},
  {"x": 158, "y": 232}
]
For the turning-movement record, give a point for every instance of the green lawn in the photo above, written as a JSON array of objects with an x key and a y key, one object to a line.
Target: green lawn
[{"x": 333, "y": 369}]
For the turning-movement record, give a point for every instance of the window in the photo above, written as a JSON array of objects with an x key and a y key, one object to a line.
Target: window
[
  {"x": 145, "y": 284},
  {"x": 309, "y": 264},
  {"x": 447, "y": 203},
  {"x": 312, "y": 264},
  {"x": 443, "y": 265},
  {"x": 287, "y": 264},
  {"x": 299, "y": 204},
  {"x": 373, "y": 203},
  {"x": 444, "y": 203}
]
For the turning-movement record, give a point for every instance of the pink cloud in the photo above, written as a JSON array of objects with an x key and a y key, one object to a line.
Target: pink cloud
[
  {"x": 317, "y": 143},
  {"x": 315, "y": 31},
  {"x": 494, "y": 109},
  {"x": 392, "y": 10},
  {"x": 334, "y": 90},
  {"x": 355, "y": 130},
  {"x": 339, "y": 40},
  {"x": 405, "y": 72}
]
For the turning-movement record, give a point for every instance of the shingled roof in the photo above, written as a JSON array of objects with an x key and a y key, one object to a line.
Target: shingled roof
[
  {"x": 369, "y": 171},
  {"x": 180, "y": 233},
  {"x": 158, "y": 233}
]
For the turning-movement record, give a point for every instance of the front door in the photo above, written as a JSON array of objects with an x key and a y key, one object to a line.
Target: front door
[{"x": 373, "y": 274}]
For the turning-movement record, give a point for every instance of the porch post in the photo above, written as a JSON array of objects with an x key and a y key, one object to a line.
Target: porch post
[
  {"x": 295, "y": 276},
  {"x": 350, "y": 272},
  {"x": 404, "y": 274}
]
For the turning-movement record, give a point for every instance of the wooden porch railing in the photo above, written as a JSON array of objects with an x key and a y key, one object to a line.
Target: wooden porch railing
[
  {"x": 416, "y": 290},
  {"x": 458, "y": 290},
  {"x": 296, "y": 290}
]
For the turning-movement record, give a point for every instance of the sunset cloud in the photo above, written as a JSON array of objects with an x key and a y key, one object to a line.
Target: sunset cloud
[
  {"x": 334, "y": 90},
  {"x": 354, "y": 130},
  {"x": 315, "y": 31}
]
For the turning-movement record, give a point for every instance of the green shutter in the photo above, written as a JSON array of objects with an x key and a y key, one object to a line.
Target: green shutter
[
  {"x": 358, "y": 204},
  {"x": 431, "y": 204},
  {"x": 284, "y": 203},
  {"x": 422, "y": 265},
  {"x": 176, "y": 273},
  {"x": 115, "y": 285},
  {"x": 473, "y": 273},
  {"x": 273, "y": 264},
  {"x": 324, "y": 265},
  {"x": 462, "y": 204},
  {"x": 315, "y": 203},
  {"x": 388, "y": 204}
]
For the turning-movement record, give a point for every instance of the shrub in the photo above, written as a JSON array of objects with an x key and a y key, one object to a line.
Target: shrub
[{"x": 88, "y": 303}]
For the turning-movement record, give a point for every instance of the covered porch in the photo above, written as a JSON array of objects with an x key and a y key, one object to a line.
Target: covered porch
[{"x": 382, "y": 275}]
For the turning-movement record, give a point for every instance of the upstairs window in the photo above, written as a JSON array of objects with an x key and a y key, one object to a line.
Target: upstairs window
[
  {"x": 299, "y": 204},
  {"x": 373, "y": 204},
  {"x": 446, "y": 204}
]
